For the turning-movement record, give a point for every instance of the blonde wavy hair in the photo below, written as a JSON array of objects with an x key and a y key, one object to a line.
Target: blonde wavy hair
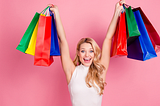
[{"x": 93, "y": 77}]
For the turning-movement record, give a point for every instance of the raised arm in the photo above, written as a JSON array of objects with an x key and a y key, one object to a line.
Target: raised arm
[
  {"x": 106, "y": 48},
  {"x": 67, "y": 62}
]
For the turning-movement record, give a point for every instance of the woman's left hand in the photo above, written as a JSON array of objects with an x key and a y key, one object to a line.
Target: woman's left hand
[{"x": 119, "y": 6}]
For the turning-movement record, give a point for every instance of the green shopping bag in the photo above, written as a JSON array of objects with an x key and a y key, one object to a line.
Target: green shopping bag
[
  {"x": 132, "y": 28},
  {"x": 131, "y": 23},
  {"x": 23, "y": 45}
]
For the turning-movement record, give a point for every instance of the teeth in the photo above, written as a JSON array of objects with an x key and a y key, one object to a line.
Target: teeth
[{"x": 87, "y": 59}]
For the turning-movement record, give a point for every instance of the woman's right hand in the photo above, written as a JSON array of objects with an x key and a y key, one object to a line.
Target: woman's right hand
[{"x": 54, "y": 9}]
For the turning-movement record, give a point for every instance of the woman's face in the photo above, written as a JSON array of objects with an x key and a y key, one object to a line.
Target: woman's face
[{"x": 86, "y": 54}]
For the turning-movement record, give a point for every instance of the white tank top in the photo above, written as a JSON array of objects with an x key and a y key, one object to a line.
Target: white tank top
[{"x": 81, "y": 95}]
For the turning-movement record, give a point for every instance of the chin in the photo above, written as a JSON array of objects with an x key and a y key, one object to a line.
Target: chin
[{"x": 87, "y": 64}]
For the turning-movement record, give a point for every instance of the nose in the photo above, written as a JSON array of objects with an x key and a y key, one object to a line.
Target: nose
[{"x": 87, "y": 54}]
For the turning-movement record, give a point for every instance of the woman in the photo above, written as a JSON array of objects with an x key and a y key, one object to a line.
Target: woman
[{"x": 87, "y": 73}]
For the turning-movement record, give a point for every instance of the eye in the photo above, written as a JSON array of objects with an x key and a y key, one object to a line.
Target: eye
[
  {"x": 82, "y": 51},
  {"x": 91, "y": 51}
]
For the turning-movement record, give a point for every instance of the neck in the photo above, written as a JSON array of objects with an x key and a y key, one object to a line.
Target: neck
[{"x": 85, "y": 67}]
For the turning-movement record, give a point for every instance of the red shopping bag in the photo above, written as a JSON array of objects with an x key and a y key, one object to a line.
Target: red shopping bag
[
  {"x": 154, "y": 37},
  {"x": 42, "y": 51},
  {"x": 119, "y": 47}
]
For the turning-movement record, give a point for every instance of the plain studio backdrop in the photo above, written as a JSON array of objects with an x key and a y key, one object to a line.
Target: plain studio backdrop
[{"x": 129, "y": 82}]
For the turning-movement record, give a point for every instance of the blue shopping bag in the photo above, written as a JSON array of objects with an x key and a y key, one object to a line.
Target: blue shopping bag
[
  {"x": 54, "y": 50},
  {"x": 142, "y": 47}
]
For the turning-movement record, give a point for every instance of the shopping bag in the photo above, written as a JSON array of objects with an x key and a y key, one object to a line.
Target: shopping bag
[
  {"x": 32, "y": 44},
  {"x": 131, "y": 23},
  {"x": 144, "y": 41},
  {"x": 132, "y": 28},
  {"x": 134, "y": 50},
  {"x": 119, "y": 47},
  {"x": 54, "y": 51},
  {"x": 23, "y": 45},
  {"x": 42, "y": 51},
  {"x": 154, "y": 36}
]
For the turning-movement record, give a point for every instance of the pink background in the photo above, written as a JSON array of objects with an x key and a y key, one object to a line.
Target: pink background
[{"x": 130, "y": 82}]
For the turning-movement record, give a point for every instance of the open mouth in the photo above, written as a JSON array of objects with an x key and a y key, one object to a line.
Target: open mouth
[{"x": 87, "y": 60}]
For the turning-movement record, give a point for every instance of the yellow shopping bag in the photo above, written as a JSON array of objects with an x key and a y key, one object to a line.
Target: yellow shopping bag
[{"x": 32, "y": 44}]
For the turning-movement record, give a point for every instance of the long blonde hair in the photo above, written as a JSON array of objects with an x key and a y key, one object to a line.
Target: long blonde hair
[{"x": 95, "y": 69}]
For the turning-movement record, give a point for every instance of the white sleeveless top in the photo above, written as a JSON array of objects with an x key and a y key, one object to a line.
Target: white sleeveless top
[{"x": 81, "y": 95}]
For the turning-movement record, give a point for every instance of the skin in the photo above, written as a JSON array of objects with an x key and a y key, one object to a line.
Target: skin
[
  {"x": 86, "y": 54},
  {"x": 66, "y": 60}
]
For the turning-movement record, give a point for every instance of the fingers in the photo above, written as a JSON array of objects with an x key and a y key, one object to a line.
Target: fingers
[
  {"x": 54, "y": 8},
  {"x": 50, "y": 5},
  {"x": 121, "y": 2}
]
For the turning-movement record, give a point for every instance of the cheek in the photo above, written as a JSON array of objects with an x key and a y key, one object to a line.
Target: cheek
[
  {"x": 92, "y": 55},
  {"x": 80, "y": 55}
]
